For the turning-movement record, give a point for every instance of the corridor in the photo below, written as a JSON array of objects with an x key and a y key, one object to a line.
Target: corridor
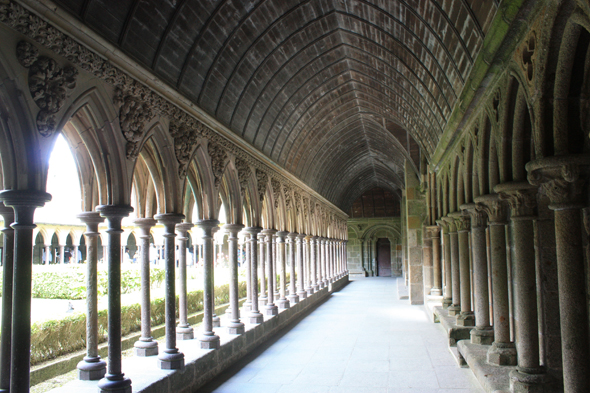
[{"x": 363, "y": 339}]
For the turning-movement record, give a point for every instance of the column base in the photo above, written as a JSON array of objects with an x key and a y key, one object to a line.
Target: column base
[
  {"x": 171, "y": 359},
  {"x": 247, "y": 306},
  {"x": 315, "y": 288},
  {"x": 255, "y": 318},
  {"x": 236, "y": 328},
  {"x": 283, "y": 304},
  {"x": 293, "y": 299},
  {"x": 271, "y": 310},
  {"x": 91, "y": 369},
  {"x": 309, "y": 291},
  {"x": 184, "y": 333},
  {"x": 262, "y": 301},
  {"x": 466, "y": 319},
  {"x": 114, "y": 384},
  {"x": 302, "y": 295},
  {"x": 325, "y": 283},
  {"x": 446, "y": 303},
  {"x": 524, "y": 382},
  {"x": 483, "y": 336},
  {"x": 146, "y": 348},
  {"x": 435, "y": 292},
  {"x": 454, "y": 310},
  {"x": 216, "y": 321},
  {"x": 502, "y": 354},
  {"x": 209, "y": 341}
]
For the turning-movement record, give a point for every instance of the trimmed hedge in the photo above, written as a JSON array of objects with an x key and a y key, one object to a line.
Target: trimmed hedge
[{"x": 55, "y": 338}]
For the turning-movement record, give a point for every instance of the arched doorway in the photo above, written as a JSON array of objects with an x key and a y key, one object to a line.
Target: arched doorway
[{"x": 383, "y": 257}]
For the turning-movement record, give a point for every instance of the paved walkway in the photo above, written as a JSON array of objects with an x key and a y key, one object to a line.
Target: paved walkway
[{"x": 363, "y": 339}]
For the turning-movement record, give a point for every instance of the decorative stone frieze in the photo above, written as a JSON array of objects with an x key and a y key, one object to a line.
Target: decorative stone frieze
[
  {"x": 244, "y": 172},
  {"x": 48, "y": 84},
  {"x": 218, "y": 157},
  {"x": 185, "y": 142},
  {"x": 261, "y": 181},
  {"x": 276, "y": 191},
  {"x": 133, "y": 117}
]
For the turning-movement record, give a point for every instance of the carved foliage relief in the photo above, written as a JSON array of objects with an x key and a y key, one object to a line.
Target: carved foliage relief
[{"x": 218, "y": 157}]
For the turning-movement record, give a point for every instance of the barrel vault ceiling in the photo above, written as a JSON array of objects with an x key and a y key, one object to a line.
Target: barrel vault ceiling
[{"x": 338, "y": 92}]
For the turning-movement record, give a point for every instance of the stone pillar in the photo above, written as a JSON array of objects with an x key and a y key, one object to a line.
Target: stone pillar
[
  {"x": 92, "y": 367},
  {"x": 447, "y": 288},
  {"x": 62, "y": 254},
  {"x": 47, "y": 254},
  {"x": 235, "y": 326},
  {"x": 300, "y": 286},
  {"x": 455, "y": 308},
  {"x": 114, "y": 380},
  {"x": 255, "y": 316},
  {"x": 171, "y": 358},
  {"x": 7, "y": 214},
  {"x": 528, "y": 376},
  {"x": 314, "y": 263},
  {"x": 502, "y": 351},
  {"x": 282, "y": 303},
  {"x": 483, "y": 332},
  {"x": 208, "y": 338},
  {"x": 146, "y": 345},
  {"x": 184, "y": 331},
  {"x": 463, "y": 223},
  {"x": 293, "y": 297},
  {"x": 427, "y": 273},
  {"x": 217, "y": 249},
  {"x": 434, "y": 234},
  {"x": 262, "y": 298},
  {"x": 325, "y": 261},
  {"x": 333, "y": 261},
  {"x": 308, "y": 266},
  {"x": 270, "y": 308},
  {"x": 276, "y": 269},
  {"x": 562, "y": 179},
  {"x": 76, "y": 249},
  {"x": 247, "y": 306}
]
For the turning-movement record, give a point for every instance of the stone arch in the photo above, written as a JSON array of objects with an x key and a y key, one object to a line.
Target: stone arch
[{"x": 231, "y": 185}]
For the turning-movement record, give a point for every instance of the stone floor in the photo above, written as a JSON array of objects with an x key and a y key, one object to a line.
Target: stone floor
[{"x": 363, "y": 339}]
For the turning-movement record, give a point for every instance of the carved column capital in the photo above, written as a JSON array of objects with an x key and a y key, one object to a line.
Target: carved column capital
[
  {"x": 479, "y": 218},
  {"x": 522, "y": 198},
  {"x": 452, "y": 227},
  {"x": 462, "y": 221},
  {"x": 495, "y": 208},
  {"x": 432, "y": 231}
]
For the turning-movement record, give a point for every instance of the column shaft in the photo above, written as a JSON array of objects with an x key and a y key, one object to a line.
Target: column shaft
[
  {"x": 234, "y": 325},
  {"x": 183, "y": 331},
  {"x": 7, "y": 271},
  {"x": 208, "y": 338}
]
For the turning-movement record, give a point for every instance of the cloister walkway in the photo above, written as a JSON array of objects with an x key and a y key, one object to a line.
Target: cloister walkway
[{"x": 362, "y": 339}]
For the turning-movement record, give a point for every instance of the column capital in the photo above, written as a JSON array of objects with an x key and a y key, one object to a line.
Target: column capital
[
  {"x": 32, "y": 198},
  {"x": 169, "y": 218},
  {"x": 479, "y": 219},
  {"x": 522, "y": 198},
  {"x": 91, "y": 219},
  {"x": 432, "y": 231},
  {"x": 145, "y": 223},
  {"x": 301, "y": 236},
  {"x": 561, "y": 178},
  {"x": 233, "y": 228},
  {"x": 443, "y": 225},
  {"x": 292, "y": 235},
  {"x": 281, "y": 235},
  {"x": 8, "y": 215},
  {"x": 114, "y": 211},
  {"x": 207, "y": 226},
  {"x": 462, "y": 221},
  {"x": 182, "y": 230},
  {"x": 268, "y": 231},
  {"x": 451, "y": 226},
  {"x": 495, "y": 208}
]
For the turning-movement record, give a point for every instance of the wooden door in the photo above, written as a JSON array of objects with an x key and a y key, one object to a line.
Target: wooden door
[{"x": 383, "y": 257}]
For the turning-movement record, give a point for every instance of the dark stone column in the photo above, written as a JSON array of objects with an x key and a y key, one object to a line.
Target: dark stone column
[
  {"x": 235, "y": 326},
  {"x": 184, "y": 331},
  {"x": 283, "y": 302},
  {"x": 293, "y": 297},
  {"x": 214, "y": 317},
  {"x": 463, "y": 223},
  {"x": 92, "y": 367},
  {"x": 300, "y": 286},
  {"x": 562, "y": 179},
  {"x": 502, "y": 352},
  {"x": 455, "y": 308},
  {"x": 255, "y": 316},
  {"x": 483, "y": 332},
  {"x": 447, "y": 288},
  {"x": 262, "y": 298},
  {"x": 247, "y": 306},
  {"x": 270, "y": 308},
  {"x": 208, "y": 338},
  {"x": 47, "y": 254},
  {"x": 434, "y": 233},
  {"x": 7, "y": 270},
  {"x": 146, "y": 345},
  {"x": 314, "y": 263},
  {"x": 114, "y": 380}
]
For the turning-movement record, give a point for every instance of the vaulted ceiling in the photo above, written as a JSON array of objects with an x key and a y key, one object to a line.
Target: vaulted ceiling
[{"x": 338, "y": 92}]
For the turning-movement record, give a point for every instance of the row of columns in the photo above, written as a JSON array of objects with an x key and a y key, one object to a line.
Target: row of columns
[{"x": 477, "y": 236}]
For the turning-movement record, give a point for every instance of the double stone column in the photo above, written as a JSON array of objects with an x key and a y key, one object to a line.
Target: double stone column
[
  {"x": 455, "y": 308},
  {"x": 283, "y": 302},
  {"x": 293, "y": 297},
  {"x": 184, "y": 331},
  {"x": 235, "y": 326},
  {"x": 463, "y": 224},
  {"x": 300, "y": 274},
  {"x": 254, "y": 316},
  {"x": 270, "y": 308},
  {"x": 447, "y": 288}
]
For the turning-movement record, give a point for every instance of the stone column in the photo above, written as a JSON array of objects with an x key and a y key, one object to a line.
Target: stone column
[
  {"x": 114, "y": 380},
  {"x": 434, "y": 232},
  {"x": 146, "y": 345},
  {"x": 276, "y": 268},
  {"x": 325, "y": 261},
  {"x": 92, "y": 367},
  {"x": 247, "y": 306},
  {"x": 483, "y": 332},
  {"x": 7, "y": 214},
  {"x": 562, "y": 179},
  {"x": 502, "y": 351},
  {"x": 282, "y": 303},
  {"x": 184, "y": 331},
  {"x": 208, "y": 338},
  {"x": 47, "y": 254},
  {"x": 447, "y": 288},
  {"x": 235, "y": 326},
  {"x": 346, "y": 257},
  {"x": 333, "y": 260},
  {"x": 455, "y": 308},
  {"x": 270, "y": 308},
  {"x": 308, "y": 266},
  {"x": 427, "y": 273},
  {"x": 300, "y": 286},
  {"x": 171, "y": 358},
  {"x": 314, "y": 263},
  {"x": 528, "y": 376},
  {"x": 293, "y": 297},
  {"x": 463, "y": 223},
  {"x": 255, "y": 316},
  {"x": 217, "y": 249},
  {"x": 262, "y": 298}
]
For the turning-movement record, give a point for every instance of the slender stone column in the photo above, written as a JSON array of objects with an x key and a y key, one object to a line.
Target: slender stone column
[
  {"x": 235, "y": 326},
  {"x": 308, "y": 266},
  {"x": 463, "y": 223},
  {"x": 528, "y": 376},
  {"x": 314, "y": 263},
  {"x": 262, "y": 298},
  {"x": 502, "y": 351},
  {"x": 291, "y": 239},
  {"x": 483, "y": 332},
  {"x": 146, "y": 345},
  {"x": 300, "y": 277},
  {"x": 255, "y": 316},
  {"x": 434, "y": 234},
  {"x": 214, "y": 318},
  {"x": 47, "y": 254},
  {"x": 270, "y": 308},
  {"x": 447, "y": 288},
  {"x": 282, "y": 303},
  {"x": 171, "y": 358},
  {"x": 247, "y": 306},
  {"x": 7, "y": 214},
  {"x": 208, "y": 338},
  {"x": 455, "y": 308},
  {"x": 325, "y": 261},
  {"x": 184, "y": 331},
  {"x": 562, "y": 179},
  {"x": 92, "y": 367},
  {"x": 321, "y": 272},
  {"x": 114, "y": 380},
  {"x": 276, "y": 268},
  {"x": 346, "y": 257},
  {"x": 332, "y": 260}
]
